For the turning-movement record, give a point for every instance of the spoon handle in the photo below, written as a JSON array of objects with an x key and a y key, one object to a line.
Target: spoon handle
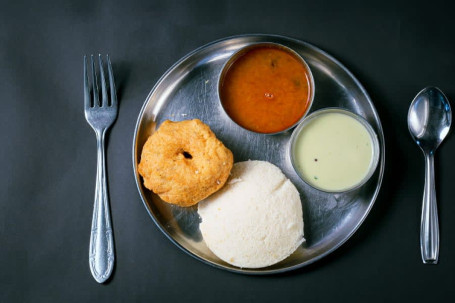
[{"x": 429, "y": 228}]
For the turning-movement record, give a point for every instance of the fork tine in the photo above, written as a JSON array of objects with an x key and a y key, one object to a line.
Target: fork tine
[
  {"x": 95, "y": 85},
  {"x": 111, "y": 82},
  {"x": 86, "y": 86},
  {"x": 103, "y": 82}
]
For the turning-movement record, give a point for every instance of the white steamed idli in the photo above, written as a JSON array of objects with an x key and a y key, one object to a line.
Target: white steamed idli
[{"x": 255, "y": 220}]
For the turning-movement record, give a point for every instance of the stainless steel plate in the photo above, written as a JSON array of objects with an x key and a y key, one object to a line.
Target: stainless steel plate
[{"x": 188, "y": 90}]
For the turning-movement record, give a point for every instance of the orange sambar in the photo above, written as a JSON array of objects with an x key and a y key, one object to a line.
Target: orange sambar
[{"x": 266, "y": 89}]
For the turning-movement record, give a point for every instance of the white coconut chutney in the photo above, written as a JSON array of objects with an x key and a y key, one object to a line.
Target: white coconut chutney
[{"x": 333, "y": 152}]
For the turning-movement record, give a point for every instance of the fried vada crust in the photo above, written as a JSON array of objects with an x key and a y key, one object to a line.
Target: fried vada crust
[{"x": 183, "y": 162}]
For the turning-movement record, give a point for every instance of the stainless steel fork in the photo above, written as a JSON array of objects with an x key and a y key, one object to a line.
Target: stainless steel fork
[{"x": 100, "y": 116}]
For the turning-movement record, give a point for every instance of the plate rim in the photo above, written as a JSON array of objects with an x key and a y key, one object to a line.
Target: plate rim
[{"x": 247, "y": 271}]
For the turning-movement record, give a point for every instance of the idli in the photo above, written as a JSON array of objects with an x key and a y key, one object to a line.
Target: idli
[{"x": 256, "y": 219}]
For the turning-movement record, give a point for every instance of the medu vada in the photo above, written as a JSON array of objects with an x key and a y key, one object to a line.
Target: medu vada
[{"x": 183, "y": 162}]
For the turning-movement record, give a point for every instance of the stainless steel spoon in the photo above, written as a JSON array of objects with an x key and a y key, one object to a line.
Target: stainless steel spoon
[{"x": 429, "y": 120}]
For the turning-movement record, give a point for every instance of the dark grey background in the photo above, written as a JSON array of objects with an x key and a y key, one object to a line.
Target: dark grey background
[{"x": 47, "y": 150}]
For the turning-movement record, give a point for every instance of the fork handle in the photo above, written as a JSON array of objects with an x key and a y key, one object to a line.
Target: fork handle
[{"x": 101, "y": 253}]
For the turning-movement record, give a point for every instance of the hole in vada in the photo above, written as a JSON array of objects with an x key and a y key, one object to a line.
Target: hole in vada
[{"x": 187, "y": 155}]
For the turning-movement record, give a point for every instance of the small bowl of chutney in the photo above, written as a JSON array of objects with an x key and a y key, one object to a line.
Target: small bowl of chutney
[
  {"x": 266, "y": 88},
  {"x": 334, "y": 150}
]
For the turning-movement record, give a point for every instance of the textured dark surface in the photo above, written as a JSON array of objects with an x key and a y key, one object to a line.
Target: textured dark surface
[{"x": 47, "y": 154}]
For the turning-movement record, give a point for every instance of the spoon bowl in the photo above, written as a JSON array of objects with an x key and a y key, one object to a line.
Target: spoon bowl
[{"x": 429, "y": 120}]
